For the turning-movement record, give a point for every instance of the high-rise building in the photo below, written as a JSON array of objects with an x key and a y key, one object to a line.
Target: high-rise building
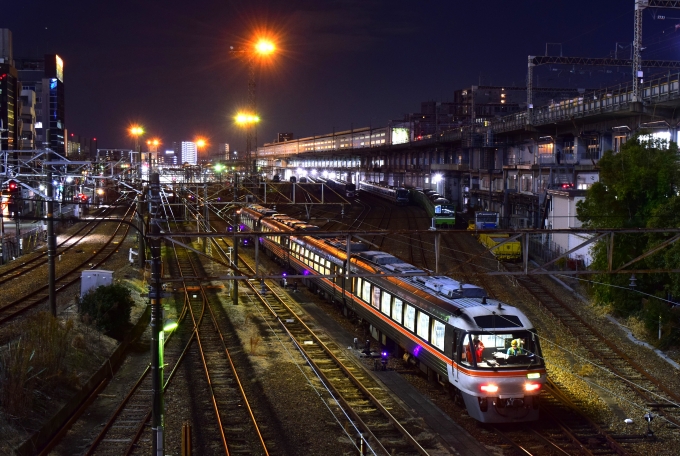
[
  {"x": 222, "y": 152},
  {"x": 10, "y": 91},
  {"x": 189, "y": 153},
  {"x": 46, "y": 78},
  {"x": 170, "y": 158}
]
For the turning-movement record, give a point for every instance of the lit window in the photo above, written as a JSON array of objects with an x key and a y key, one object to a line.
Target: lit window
[
  {"x": 385, "y": 303},
  {"x": 397, "y": 310},
  {"x": 376, "y": 298},
  {"x": 410, "y": 317},
  {"x": 366, "y": 292},
  {"x": 423, "y": 325},
  {"x": 438, "y": 334}
]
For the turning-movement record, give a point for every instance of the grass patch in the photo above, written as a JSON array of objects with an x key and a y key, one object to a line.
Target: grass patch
[{"x": 34, "y": 359}]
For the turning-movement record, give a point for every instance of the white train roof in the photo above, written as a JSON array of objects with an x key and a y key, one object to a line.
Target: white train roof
[{"x": 480, "y": 311}]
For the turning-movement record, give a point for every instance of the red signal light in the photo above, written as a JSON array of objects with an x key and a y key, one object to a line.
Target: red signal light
[{"x": 12, "y": 186}]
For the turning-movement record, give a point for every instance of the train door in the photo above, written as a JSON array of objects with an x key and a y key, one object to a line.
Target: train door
[{"x": 456, "y": 349}]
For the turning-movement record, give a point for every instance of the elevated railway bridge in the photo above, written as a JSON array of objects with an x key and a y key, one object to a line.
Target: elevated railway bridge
[{"x": 514, "y": 164}]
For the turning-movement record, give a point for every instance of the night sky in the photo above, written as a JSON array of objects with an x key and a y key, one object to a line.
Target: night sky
[{"x": 341, "y": 64}]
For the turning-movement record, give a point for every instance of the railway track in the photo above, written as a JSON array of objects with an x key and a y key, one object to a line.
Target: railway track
[
  {"x": 11, "y": 310},
  {"x": 361, "y": 405},
  {"x": 122, "y": 431},
  {"x": 235, "y": 422},
  {"x": 606, "y": 354},
  {"x": 33, "y": 261}
]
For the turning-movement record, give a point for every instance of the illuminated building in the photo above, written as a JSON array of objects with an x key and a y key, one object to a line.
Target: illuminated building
[
  {"x": 10, "y": 90},
  {"x": 45, "y": 77}
]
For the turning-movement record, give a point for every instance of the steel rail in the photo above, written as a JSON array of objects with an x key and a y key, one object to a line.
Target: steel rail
[
  {"x": 38, "y": 296},
  {"x": 577, "y": 330},
  {"x": 206, "y": 304},
  {"x": 407, "y": 436},
  {"x": 26, "y": 264}
]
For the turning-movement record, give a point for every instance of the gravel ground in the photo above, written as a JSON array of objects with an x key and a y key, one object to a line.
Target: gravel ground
[
  {"x": 82, "y": 361},
  {"x": 567, "y": 363}
]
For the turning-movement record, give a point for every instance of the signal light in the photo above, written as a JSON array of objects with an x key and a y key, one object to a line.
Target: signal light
[
  {"x": 530, "y": 387},
  {"x": 12, "y": 186},
  {"x": 489, "y": 388}
]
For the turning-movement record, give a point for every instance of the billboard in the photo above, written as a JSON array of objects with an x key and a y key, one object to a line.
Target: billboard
[
  {"x": 54, "y": 67},
  {"x": 400, "y": 135}
]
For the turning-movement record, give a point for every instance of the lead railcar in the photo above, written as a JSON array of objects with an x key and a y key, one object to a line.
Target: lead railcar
[{"x": 434, "y": 319}]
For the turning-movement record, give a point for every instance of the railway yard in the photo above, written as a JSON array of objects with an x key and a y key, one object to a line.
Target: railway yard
[{"x": 284, "y": 372}]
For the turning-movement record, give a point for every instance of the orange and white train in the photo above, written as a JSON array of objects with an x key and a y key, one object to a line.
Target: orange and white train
[{"x": 434, "y": 320}]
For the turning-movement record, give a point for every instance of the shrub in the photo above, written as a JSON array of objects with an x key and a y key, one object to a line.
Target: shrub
[{"x": 108, "y": 307}]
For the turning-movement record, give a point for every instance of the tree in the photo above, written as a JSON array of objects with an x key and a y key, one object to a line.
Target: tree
[
  {"x": 108, "y": 307},
  {"x": 638, "y": 188}
]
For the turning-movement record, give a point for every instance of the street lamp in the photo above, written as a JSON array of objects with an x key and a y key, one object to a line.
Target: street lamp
[
  {"x": 248, "y": 121},
  {"x": 136, "y": 131},
  {"x": 259, "y": 49}
]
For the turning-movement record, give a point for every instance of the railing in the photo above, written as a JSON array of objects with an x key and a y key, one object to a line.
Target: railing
[{"x": 606, "y": 100}]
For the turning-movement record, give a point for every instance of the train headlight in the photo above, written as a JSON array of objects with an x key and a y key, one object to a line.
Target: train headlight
[
  {"x": 532, "y": 387},
  {"x": 489, "y": 388},
  {"x": 534, "y": 375}
]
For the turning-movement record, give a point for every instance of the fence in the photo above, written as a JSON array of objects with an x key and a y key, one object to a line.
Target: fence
[{"x": 12, "y": 247}]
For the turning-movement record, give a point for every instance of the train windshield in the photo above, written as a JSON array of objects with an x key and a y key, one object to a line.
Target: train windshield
[
  {"x": 402, "y": 193},
  {"x": 445, "y": 210},
  {"x": 501, "y": 349}
]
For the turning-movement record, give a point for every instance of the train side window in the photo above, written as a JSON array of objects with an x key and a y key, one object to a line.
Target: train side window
[
  {"x": 410, "y": 318},
  {"x": 397, "y": 310},
  {"x": 437, "y": 338},
  {"x": 358, "y": 286},
  {"x": 385, "y": 302},
  {"x": 366, "y": 291},
  {"x": 423, "y": 325},
  {"x": 376, "y": 297}
]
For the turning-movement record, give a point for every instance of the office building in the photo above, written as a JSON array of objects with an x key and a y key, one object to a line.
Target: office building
[
  {"x": 45, "y": 77},
  {"x": 189, "y": 153},
  {"x": 222, "y": 152},
  {"x": 10, "y": 91}
]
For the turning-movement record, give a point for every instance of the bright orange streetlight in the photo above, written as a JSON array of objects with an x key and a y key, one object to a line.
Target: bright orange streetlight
[
  {"x": 136, "y": 130},
  {"x": 246, "y": 119},
  {"x": 201, "y": 143},
  {"x": 264, "y": 47}
]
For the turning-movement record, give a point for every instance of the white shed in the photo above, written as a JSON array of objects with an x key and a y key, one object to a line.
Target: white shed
[{"x": 93, "y": 278}]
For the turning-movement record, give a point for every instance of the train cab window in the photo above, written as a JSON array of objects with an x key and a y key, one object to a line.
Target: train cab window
[
  {"x": 499, "y": 351},
  {"x": 437, "y": 338},
  {"x": 397, "y": 310},
  {"x": 423, "y": 325},
  {"x": 376, "y": 297},
  {"x": 385, "y": 302},
  {"x": 410, "y": 318}
]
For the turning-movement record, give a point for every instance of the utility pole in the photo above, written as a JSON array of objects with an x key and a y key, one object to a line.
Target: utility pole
[
  {"x": 155, "y": 294},
  {"x": 236, "y": 225},
  {"x": 51, "y": 240}
]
